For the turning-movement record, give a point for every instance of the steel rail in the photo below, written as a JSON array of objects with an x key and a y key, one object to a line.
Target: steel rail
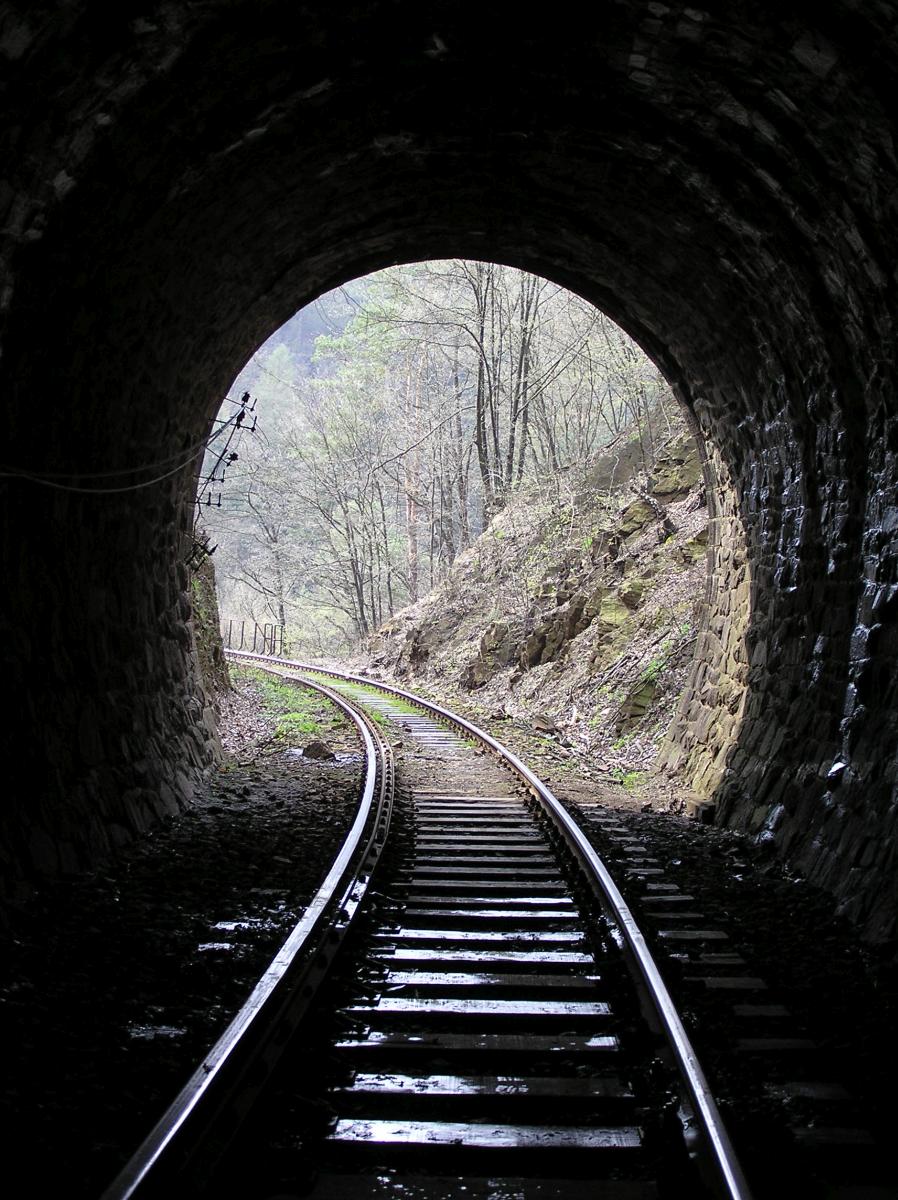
[
  {"x": 723, "y": 1159},
  {"x": 195, "y": 1128}
]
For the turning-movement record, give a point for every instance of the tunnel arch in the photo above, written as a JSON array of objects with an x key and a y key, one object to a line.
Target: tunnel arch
[{"x": 720, "y": 181}]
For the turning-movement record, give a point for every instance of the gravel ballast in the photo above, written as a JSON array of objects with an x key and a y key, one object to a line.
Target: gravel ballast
[{"x": 116, "y": 984}]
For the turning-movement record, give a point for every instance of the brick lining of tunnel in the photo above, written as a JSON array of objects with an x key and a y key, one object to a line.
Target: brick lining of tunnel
[{"x": 720, "y": 181}]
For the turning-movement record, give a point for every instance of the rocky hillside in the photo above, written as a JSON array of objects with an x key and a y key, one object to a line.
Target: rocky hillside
[{"x": 575, "y": 613}]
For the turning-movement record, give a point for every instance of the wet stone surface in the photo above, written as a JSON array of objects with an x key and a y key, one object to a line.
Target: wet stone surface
[
  {"x": 114, "y": 985},
  {"x": 792, "y": 1015},
  {"x": 790, "y": 979}
]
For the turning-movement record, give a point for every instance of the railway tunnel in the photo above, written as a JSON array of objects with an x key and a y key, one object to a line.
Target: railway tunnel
[{"x": 721, "y": 180}]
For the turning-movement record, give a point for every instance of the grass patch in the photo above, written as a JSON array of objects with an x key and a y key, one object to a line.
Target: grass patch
[
  {"x": 631, "y": 780},
  {"x": 298, "y": 714},
  {"x": 378, "y": 718},
  {"x": 292, "y": 725}
]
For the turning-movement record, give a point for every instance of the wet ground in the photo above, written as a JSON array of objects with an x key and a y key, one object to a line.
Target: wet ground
[
  {"x": 804, "y": 1003},
  {"x": 114, "y": 985}
]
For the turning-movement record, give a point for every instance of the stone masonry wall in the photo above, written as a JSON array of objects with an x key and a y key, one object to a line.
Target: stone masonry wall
[
  {"x": 176, "y": 180},
  {"x": 121, "y": 716}
]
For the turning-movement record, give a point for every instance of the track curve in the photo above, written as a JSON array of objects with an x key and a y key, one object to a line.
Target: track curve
[
  {"x": 700, "y": 1114},
  {"x": 198, "y": 1123},
  {"x": 471, "y": 1041}
]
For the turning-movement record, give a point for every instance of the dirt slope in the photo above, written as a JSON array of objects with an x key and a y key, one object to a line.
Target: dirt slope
[{"x": 574, "y": 615}]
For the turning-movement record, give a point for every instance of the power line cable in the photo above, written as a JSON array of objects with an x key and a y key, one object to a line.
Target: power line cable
[
  {"x": 181, "y": 460},
  {"x": 98, "y": 491}
]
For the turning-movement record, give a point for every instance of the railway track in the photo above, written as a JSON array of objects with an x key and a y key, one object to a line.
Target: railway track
[{"x": 467, "y": 1009}]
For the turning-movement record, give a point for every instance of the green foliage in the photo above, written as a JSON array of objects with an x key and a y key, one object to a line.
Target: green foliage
[
  {"x": 292, "y": 724},
  {"x": 201, "y": 596},
  {"x": 363, "y": 695},
  {"x": 379, "y": 719},
  {"x": 537, "y": 562},
  {"x": 404, "y": 706},
  {"x": 297, "y": 712},
  {"x": 383, "y": 446},
  {"x": 652, "y": 672},
  {"x": 631, "y": 780},
  {"x": 656, "y": 667}
]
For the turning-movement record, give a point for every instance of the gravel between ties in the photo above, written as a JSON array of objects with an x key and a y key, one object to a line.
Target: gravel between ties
[{"x": 108, "y": 1001}]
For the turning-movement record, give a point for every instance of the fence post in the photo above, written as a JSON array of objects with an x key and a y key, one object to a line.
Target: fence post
[{"x": 268, "y": 638}]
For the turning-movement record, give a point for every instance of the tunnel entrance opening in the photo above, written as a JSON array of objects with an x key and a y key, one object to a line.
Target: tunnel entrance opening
[
  {"x": 720, "y": 181},
  {"x": 464, "y": 473}
]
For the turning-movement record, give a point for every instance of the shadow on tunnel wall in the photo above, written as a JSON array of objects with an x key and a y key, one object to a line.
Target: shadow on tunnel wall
[{"x": 720, "y": 181}]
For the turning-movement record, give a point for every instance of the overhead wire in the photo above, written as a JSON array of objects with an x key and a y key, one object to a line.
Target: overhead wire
[{"x": 181, "y": 459}]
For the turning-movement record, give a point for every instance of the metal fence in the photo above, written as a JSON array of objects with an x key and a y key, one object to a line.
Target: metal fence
[{"x": 248, "y": 635}]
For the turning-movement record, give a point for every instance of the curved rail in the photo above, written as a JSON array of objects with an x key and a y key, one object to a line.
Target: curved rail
[
  {"x": 194, "y": 1129},
  {"x": 723, "y": 1161}
]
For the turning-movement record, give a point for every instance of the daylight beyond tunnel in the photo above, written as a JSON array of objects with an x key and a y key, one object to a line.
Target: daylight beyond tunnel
[
  {"x": 720, "y": 181},
  {"x": 465, "y": 476},
  {"x": 394, "y": 418}
]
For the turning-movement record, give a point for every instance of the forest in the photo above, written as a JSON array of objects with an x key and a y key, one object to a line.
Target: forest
[{"x": 387, "y": 423}]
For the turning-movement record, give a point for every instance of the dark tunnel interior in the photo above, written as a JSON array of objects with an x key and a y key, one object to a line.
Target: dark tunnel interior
[{"x": 178, "y": 179}]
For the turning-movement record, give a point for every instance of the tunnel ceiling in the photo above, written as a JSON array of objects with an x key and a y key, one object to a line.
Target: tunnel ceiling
[
  {"x": 179, "y": 178},
  {"x": 679, "y": 165}
]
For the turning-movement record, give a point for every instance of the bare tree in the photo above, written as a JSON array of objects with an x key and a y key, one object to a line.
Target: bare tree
[{"x": 433, "y": 391}]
